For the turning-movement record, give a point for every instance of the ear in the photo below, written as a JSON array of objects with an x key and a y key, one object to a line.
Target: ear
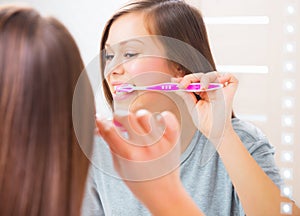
[{"x": 179, "y": 71}]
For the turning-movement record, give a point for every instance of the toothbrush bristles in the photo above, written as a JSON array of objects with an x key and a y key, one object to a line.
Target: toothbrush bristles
[{"x": 124, "y": 88}]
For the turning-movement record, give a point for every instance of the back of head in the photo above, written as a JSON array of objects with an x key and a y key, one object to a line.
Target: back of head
[{"x": 42, "y": 168}]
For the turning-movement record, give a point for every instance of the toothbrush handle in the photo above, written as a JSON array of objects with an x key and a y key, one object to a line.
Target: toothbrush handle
[
  {"x": 193, "y": 87},
  {"x": 163, "y": 87}
]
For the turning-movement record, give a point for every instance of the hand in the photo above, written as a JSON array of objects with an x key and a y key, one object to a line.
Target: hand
[
  {"x": 147, "y": 149},
  {"x": 212, "y": 113},
  {"x": 148, "y": 158}
]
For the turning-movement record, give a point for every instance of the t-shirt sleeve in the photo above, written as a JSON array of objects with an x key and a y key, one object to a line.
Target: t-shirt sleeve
[
  {"x": 260, "y": 148},
  {"x": 91, "y": 205},
  {"x": 263, "y": 153}
]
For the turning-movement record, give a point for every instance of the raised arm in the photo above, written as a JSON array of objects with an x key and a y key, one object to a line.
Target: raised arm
[
  {"x": 149, "y": 139},
  {"x": 258, "y": 193}
]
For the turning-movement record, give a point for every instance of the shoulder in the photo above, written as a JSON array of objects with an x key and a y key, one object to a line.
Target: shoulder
[
  {"x": 252, "y": 137},
  {"x": 247, "y": 131}
]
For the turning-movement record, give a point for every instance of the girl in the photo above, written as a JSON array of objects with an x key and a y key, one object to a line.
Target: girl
[{"x": 241, "y": 178}]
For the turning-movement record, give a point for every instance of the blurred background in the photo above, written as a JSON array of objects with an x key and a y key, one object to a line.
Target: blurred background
[{"x": 257, "y": 40}]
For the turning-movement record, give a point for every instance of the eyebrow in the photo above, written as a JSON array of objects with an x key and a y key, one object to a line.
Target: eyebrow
[{"x": 122, "y": 43}]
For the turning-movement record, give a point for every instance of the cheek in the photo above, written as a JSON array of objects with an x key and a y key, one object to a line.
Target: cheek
[{"x": 149, "y": 70}]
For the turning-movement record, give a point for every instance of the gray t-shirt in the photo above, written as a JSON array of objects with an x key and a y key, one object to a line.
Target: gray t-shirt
[{"x": 206, "y": 180}]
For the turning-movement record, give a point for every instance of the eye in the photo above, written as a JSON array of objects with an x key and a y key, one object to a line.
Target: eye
[
  {"x": 130, "y": 54},
  {"x": 109, "y": 57}
]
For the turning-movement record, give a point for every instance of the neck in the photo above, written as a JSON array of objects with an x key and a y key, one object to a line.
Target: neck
[
  {"x": 188, "y": 130},
  {"x": 187, "y": 126}
]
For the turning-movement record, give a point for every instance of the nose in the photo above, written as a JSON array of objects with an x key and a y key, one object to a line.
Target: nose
[{"x": 116, "y": 71}]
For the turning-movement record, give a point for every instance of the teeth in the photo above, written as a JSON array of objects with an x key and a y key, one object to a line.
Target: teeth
[
  {"x": 120, "y": 93},
  {"x": 116, "y": 90}
]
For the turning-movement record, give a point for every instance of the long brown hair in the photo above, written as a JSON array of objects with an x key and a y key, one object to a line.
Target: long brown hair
[
  {"x": 173, "y": 19},
  {"x": 42, "y": 167}
]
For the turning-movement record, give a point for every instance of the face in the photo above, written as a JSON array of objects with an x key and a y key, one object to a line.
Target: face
[{"x": 135, "y": 57}]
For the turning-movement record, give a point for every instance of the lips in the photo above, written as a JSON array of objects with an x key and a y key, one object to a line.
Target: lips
[
  {"x": 121, "y": 95},
  {"x": 115, "y": 86},
  {"x": 114, "y": 92}
]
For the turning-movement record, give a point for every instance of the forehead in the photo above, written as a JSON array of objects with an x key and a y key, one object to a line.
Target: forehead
[{"x": 126, "y": 27}]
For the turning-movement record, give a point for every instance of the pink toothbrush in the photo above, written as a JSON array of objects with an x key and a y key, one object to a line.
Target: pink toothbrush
[{"x": 168, "y": 87}]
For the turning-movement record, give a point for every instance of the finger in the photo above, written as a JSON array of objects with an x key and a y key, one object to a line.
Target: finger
[
  {"x": 229, "y": 79},
  {"x": 138, "y": 134},
  {"x": 109, "y": 133},
  {"x": 172, "y": 129},
  {"x": 143, "y": 118},
  {"x": 230, "y": 83},
  {"x": 203, "y": 78},
  {"x": 213, "y": 96},
  {"x": 190, "y": 78},
  {"x": 152, "y": 124},
  {"x": 204, "y": 96},
  {"x": 158, "y": 126},
  {"x": 129, "y": 122},
  {"x": 176, "y": 79},
  {"x": 206, "y": 79}
]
